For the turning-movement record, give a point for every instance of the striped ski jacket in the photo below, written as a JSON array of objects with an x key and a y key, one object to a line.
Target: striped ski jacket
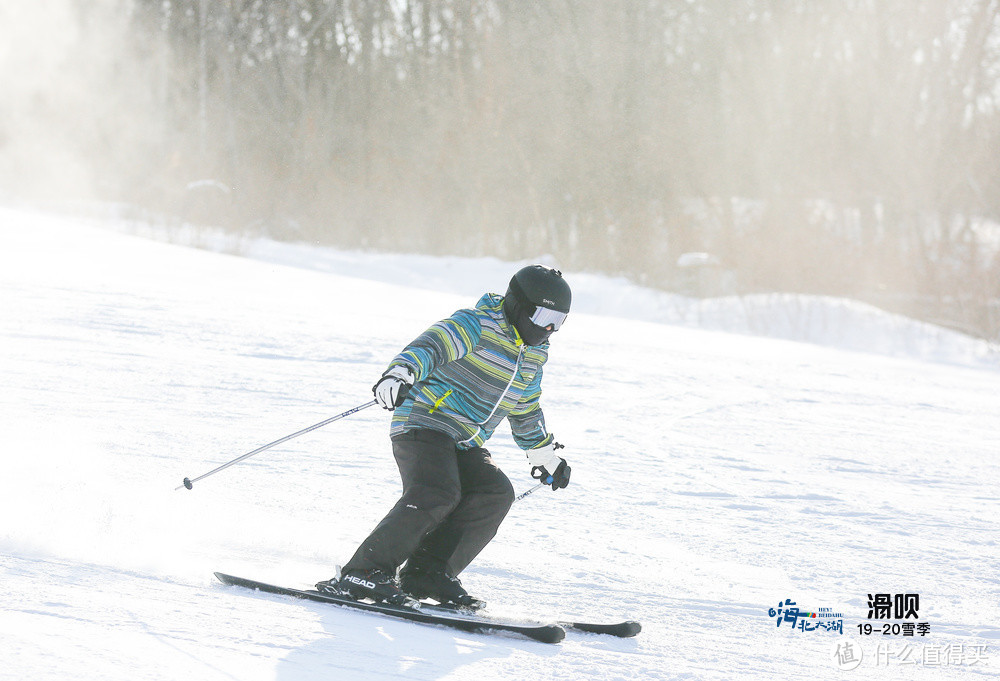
[{"x": 471, "y": 371}]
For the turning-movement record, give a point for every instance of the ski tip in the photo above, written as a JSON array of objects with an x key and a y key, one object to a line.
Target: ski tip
[{"x": 228, "y": 580}]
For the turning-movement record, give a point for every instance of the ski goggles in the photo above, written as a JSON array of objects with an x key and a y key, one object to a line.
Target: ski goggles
[{"x": 544, "y": 317}]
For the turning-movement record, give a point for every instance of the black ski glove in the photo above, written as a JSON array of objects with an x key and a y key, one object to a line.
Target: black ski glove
[
  {"x": 549, "y": 468},
  {"x": 558, "y": 478}
]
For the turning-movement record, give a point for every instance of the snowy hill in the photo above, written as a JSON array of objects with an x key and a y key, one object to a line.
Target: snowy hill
[
  {"x": 714, "y": 476},
  {"x": 832, "y": 322}
]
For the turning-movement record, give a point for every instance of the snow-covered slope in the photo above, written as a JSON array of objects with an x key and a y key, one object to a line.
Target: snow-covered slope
[
  {"x": 822, "y": 320},
  {"x": 714, "y": 475}
]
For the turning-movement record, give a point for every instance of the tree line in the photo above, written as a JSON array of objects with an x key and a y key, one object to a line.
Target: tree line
[{"x": 846, "y": 148}]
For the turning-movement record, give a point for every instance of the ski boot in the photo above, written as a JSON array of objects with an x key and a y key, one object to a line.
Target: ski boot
[
  {"x": 373, "y": 585},
  {"x": 424, "y": 582}
]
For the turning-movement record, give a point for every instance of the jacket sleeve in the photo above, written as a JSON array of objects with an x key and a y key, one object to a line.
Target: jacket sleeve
[
  {"x": 445, "y": 341},
  {"x": 527, "y": 422}
]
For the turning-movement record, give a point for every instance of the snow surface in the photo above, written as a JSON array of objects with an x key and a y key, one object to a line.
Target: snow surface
[
  {"x": 714, "y": 475},
  {"x": 834, "y": 322}
]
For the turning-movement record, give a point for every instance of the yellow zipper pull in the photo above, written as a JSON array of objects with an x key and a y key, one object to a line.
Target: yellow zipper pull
[{"x": 438, "y": 402}]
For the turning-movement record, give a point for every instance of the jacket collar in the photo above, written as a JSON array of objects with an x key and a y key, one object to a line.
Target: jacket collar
[{"x": 492, "y": 303}]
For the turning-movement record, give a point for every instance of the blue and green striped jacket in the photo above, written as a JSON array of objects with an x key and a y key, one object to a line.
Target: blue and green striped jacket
[{"x": 471, "y": 371}]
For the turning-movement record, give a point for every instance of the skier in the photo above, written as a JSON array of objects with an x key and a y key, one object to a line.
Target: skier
[{"x": 448, "y": 390}]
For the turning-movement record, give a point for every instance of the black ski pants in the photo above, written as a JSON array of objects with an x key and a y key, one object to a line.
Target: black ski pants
[{"x": 452, "y": 504}]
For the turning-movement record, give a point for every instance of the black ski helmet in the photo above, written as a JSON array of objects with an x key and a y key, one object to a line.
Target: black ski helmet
[{"x": 530, "y": 289}]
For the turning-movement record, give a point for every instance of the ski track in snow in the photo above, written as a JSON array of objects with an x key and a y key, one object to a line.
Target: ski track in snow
[{"x": 713, "y": 476}]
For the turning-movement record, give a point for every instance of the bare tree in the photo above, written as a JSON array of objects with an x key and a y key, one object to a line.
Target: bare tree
[{"x": 846, "y": 148}]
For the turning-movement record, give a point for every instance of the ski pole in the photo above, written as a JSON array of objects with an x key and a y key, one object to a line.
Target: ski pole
[
  {"x": 529, "y": 491},
  {"x": 188, "y": 483}
]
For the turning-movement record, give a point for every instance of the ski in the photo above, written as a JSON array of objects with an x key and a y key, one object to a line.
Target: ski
[
  {"x": 545, "y": 633},
  {"x": 626, "y": 629}
]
